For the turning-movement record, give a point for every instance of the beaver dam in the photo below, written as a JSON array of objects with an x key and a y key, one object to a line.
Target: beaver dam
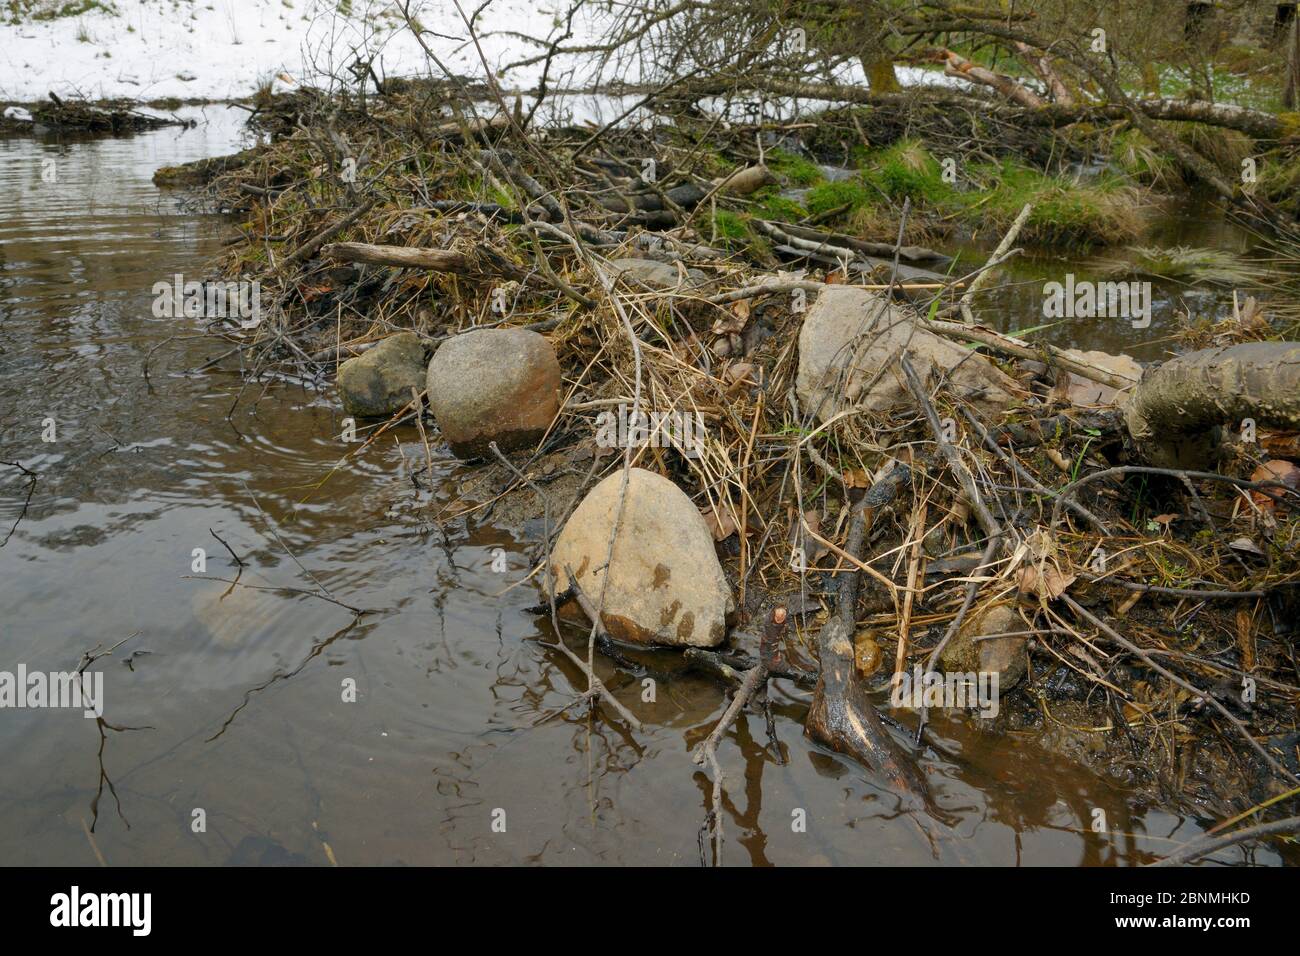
[{"x": 939, "y": 438}]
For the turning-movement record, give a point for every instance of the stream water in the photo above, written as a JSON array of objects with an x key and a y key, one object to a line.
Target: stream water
[{"x": 225, "y": 705}]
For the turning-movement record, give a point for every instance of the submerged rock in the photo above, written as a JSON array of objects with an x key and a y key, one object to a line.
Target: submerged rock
[
  {"x": 665, "y": 583},
  {"x": 379, "y": 382},
  {"x": 849, "y": 349},
  {"x": 1005, "y": 656},
  {"x": 489, "y": 385}
]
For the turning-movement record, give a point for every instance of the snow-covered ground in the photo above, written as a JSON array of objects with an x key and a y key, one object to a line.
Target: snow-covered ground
[{"x": 224, "y": 49}]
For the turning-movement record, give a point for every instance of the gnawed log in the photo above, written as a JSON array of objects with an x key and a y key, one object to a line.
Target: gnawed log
[
  {"x": 481, "y": 263},
  {"x": 959, "y": 66},
  {"x": 1177, "y": 412},
  {"x": 842, "y": 716},
  {"x": 1041, "y": 64}
]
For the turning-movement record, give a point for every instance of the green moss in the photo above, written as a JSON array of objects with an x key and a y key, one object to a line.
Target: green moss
[
  {"x": 770, "y": 205},
  {"x": 1066, "y": 210},
  {"x": 730, "y": 226},
  {"x": 907, "y": 170},
  {"x": 852, "y": 193},
  {"x": 795, "y": 170},
  {"x": 1069, "y": 212},
  {"x": 1290, "y": 123}
]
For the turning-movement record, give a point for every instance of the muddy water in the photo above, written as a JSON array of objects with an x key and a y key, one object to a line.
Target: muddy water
[{"x": 225, "y": 704}]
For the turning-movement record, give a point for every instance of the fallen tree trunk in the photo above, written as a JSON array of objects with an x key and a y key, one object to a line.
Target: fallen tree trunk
[
  {"x": 1254, "y": 123},
  {"x": 1177, "y": 412}
]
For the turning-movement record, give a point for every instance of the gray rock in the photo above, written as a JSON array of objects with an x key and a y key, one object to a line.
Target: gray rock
[
  {"x": 378, "y": 383},
  {"x": 665, "y": 583},
  {"x": 652, "y": 273},
  {"x": 488, "y": 385},
  {"x": 849, "y": 334},
  {"x": 1005, "y": 656},
  {"x": 1083, "y": 391}
]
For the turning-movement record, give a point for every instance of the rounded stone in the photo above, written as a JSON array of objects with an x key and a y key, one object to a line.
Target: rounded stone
[
  {"x": 665, "y": 583},
  {"x": 488, "y": 385},
  {"x": 379, "y": 382}
]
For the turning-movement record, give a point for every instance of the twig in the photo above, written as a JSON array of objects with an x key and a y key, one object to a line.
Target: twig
[
  {"x": 236, "y": 557},
  {"x": 32, "y": 478},
  {"x": 751, "y": 685},
  {"x": 1204, "y": 847}
]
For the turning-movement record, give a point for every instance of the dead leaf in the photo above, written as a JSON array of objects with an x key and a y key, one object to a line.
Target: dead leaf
[
  {"x": 1047, "y": 581},
  {"x": 722, "y": 523},
  {"x": 740, "y": 372},
  {"x": 733, "y": 320},
  {"x": 1276, "y": 469},
  {"x": 856, "y": 478},
  {"x": 1246, "y": 546},
  {"x": 804, "y": 544},
  {"x": 1057, "y": 459}
]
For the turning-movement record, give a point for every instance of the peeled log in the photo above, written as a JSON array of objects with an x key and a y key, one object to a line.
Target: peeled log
[
  {"x": 842, "y": 716},
  {"x": 1178, "y": 410}
]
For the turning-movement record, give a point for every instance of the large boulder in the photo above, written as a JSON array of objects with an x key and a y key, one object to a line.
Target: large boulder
[
  {"x": 849, "y": 349},
  {"x": 489, "y": 385},
  {"x": 665, "y": 583},
  {"x": 379, "y": 382}
]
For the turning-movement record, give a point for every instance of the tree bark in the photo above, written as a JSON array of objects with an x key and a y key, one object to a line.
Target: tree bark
[{"x": 1177, "y": 412}]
